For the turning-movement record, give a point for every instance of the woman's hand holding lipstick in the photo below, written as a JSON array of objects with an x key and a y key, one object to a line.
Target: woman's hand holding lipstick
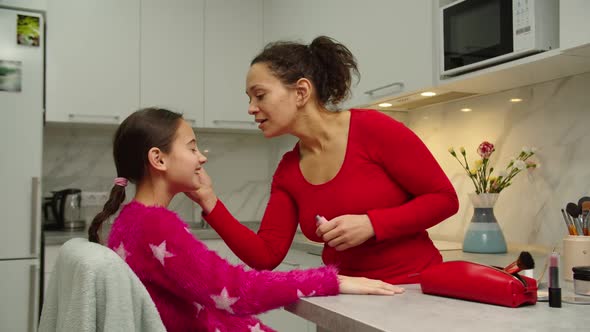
[{"x": 345, "y": 231}]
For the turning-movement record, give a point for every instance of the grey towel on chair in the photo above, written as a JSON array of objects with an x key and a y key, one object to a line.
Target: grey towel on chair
[{"x": 93, "y": 289}]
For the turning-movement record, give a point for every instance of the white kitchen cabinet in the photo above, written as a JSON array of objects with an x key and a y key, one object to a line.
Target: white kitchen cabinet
[
  {"x": 233, "y": 36},
  {"x": 19, "y": 310},
  {"x": 391, "y": 40},
  {"x": 25, "y": 4},
  {"x": 92, "y": 60},
  {"x": 574, "y": 26},
  {"x": 280, "y": 319},
  {"x": 172, "y": 56}
]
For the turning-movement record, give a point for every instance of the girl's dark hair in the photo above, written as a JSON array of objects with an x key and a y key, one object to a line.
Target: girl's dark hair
[
  {"x": 141, "y": 131},
  {"x": 328, "y": 64}
]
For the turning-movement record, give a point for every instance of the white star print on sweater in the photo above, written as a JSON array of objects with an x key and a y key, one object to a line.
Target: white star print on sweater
[
  {"x": 160, "y": 252},
  {"x": 256, "y": 328},
  {"x": 300, "y": 294},
  {"x": 120, "y": 250},
  {"x": 224, "y": 302},
  {"x": 199, "y": 307},
  {"x": 195, "y": 289}
]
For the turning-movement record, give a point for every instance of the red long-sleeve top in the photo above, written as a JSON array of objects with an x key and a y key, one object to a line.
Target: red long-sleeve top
[{"x": 388, "y": 173}]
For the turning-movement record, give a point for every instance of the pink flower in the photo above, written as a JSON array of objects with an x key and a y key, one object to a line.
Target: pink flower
[{"x": 485, "y": 149}]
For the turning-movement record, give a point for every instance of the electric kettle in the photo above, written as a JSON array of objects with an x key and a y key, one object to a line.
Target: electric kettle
[{"x": 62, "y": 211}]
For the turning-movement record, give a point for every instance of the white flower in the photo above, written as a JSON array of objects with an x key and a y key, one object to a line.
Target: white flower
[
  {"x": 519, "y": 164},
  {"x": 534, "y": 149},
  {"x": 526, "y": 149}
]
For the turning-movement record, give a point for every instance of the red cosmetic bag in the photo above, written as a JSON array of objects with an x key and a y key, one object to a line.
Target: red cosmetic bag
[{"x": 478, "y": 282}]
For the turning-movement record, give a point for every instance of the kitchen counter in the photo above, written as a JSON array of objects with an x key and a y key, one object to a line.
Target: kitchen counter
[
  {"x": 414, "y": 311},
  {"x": 60, "y": 237},
  {"x": 419, "y": 312}
]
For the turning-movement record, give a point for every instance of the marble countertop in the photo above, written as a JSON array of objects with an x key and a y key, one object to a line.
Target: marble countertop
[
  {"x": 60, "y": 237},
  {"x": 414, "y": 311},
  {"x": 420, "y": 312}
]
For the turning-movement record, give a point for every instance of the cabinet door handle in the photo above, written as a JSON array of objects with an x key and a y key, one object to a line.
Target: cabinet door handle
[
  {"x": 193, "y": 121},
  {"x": 33, "y": 272},
  {"x": 291, "y": 264},
  {"x": 251, "y": 123},
  {"x": 35, "y": 199},
  {"x": 399, "y": 84},
  {"x": 114, "y": 118}
]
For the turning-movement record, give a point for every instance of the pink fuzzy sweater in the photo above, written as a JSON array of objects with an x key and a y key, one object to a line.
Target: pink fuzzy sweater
[{"x": 193, "y": 288}]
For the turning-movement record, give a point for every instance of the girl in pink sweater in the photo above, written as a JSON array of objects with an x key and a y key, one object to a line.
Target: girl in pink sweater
[{"x": 193, "y": 288}]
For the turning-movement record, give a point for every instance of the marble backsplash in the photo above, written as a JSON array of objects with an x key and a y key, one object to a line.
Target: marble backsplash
[
  {"x": 554, "y": 117},
  {"x": 240, "y": 165}
]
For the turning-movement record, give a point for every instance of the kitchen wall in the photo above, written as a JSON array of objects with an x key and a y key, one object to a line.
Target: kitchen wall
[
  {"x": 240, "y": 164},
  {"x": 554, "y": 117}
]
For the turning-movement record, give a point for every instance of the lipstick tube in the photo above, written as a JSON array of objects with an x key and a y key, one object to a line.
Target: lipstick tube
[
  {"x": 319, "y": 220},
  {"x": 554, "y": 289}
]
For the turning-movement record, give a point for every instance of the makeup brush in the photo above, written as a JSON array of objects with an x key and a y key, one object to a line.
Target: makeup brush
[
  {"x": 570, "y": 228},
  {"x": 574, "y": 211},
  {"x": 585, "y": 205},
  {"x": 581, "y": 203},
  {"x": 524, "y": 262}
]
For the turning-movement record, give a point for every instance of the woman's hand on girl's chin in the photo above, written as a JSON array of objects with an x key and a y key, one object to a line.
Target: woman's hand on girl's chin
[
  {"x": 204, "y": 195},
  {"x": 365, "y": 286}
]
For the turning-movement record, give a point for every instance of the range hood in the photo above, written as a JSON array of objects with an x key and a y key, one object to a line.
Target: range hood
[{"x": 417, "y": 100}]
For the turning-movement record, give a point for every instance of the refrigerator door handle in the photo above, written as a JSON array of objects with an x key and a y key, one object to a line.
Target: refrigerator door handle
[
  {"x": 33, "y": 273},
  {"x": 35, "y": 193}
]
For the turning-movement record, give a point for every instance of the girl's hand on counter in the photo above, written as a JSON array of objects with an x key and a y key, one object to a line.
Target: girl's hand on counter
[
  {"x": 204, "y": 196},
  {"x": 365, "y": 286},
  {"x": 346, "y": 231}
]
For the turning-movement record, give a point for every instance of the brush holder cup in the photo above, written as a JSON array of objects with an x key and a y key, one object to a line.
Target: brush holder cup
[
  {"x": 484, "y": 234},
  {"x": 576, "y": 252}
]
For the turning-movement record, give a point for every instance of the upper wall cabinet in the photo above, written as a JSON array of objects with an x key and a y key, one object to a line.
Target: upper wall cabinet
[
  {"x": 172, "y": 56},
  {"x": 233, "y": 36},
  {"x": 574, "y": 23},
  {"x": 92, "y": 60},
  {"x": 392, "y": 40},
  {"x": 25, "y": 4}
]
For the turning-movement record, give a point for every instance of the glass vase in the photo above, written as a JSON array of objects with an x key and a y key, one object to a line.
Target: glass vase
[{"x": 484, "y": 234}]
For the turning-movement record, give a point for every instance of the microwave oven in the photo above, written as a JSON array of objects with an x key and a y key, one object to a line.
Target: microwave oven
[{"x": 481, "y": 33}]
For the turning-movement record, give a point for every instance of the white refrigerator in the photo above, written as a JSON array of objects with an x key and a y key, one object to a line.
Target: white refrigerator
[{"x": 21, "y": 125}]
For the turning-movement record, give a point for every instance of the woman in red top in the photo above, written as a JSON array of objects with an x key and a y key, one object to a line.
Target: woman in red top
[{"x": 372, "y": 178}]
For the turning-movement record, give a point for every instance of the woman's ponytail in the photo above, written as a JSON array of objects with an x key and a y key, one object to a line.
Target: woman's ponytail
[
  {"x": 333, "y": 69},
  {"x": 110, "y": 207},
  {"x": 328, "y": 64}
]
